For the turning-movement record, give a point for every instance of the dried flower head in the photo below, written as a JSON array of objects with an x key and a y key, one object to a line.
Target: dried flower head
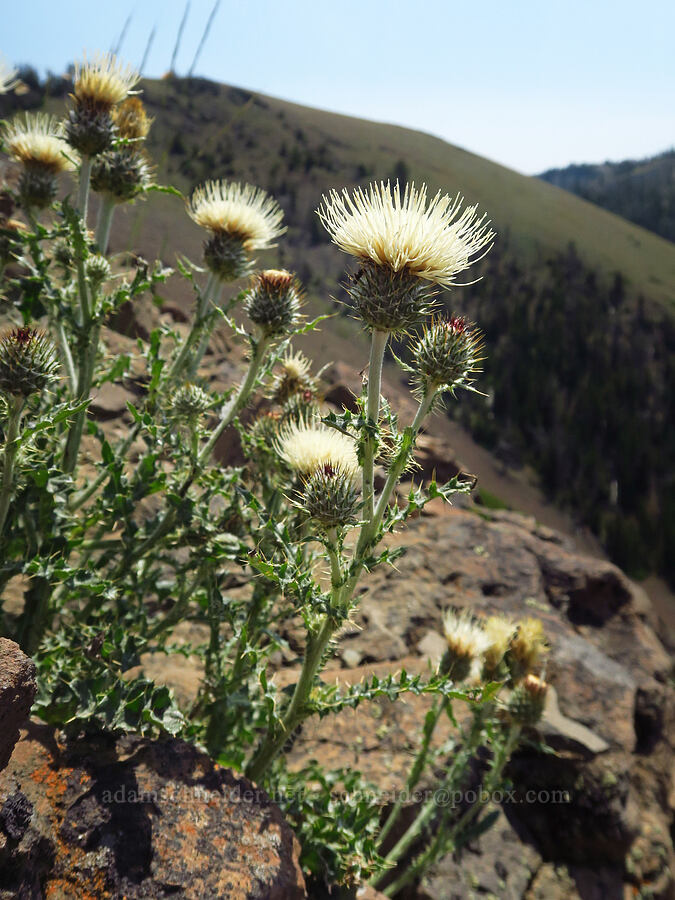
[
  {"x": 527, "y": 701},
  {"x": 103, "y": 82},
  {"x": 400, "y": 231},
  {"x": 36, "y": 140},
  {"x": 330, "y": 497},
  {"x": 308, "y": 447},
  {"x": 273, "y": 303},
  {"x": 467, "y": 643},
  {"x": 528, "y": 646},
  {"x": 28, "y": 362},
  {"x": 446, "y": 356},
  {"x": 8, "y": 75},
  {"x": 132, "y": 121},
  {"x": 241, "y": 211}
]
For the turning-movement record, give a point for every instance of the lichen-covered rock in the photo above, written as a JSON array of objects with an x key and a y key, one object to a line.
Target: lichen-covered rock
[
  {"x": 137, "y": 818},
  {"x": 17, "y": 692}
]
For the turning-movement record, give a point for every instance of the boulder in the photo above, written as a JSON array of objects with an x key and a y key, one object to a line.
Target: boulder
[
  {"x": 17, "y": 692},
  {"x": 135, "y": 818}
]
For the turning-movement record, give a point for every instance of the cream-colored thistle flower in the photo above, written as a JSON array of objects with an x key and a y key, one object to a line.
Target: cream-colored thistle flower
[
  {"x": 37, "y": 140},
  {"x": 499, "y": 631},
  {"x": 467, "y": 643},
  {"x": 433, "y": 241},
  {"x": 7, "y": 76},
  {"x": 309, "y": 447},
  {"x": 528, "y": 646},
  {"x": 242, "y": 211},
  {"x": 103, "y": 81}
]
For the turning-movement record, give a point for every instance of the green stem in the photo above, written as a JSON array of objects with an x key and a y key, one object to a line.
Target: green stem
[
  {"x": 207, "y": 331},
  {"x": 183, "y": 357},
  {"x": 418, "y": 767},
  {"x": 9, "y": 456},
  {"x": 276, "y": 738},
  {"x": 83, "y": 188},
  {"x": 105, "y": 217},
  {"x": 377, "y": 347},
  {"x": 67, "y": 355}
]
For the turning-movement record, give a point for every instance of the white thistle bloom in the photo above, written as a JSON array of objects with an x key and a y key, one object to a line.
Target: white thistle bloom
[
  {"x": 309, "y": 448},
  {"x": 103, "y": 81},
  {"x": 295, "y": 366},
  {"x": 400, "y": 231},
  {"x": 37, "y": 140},
  {"x": 467, "y": 644},
  {"x": 7, "y": 76},
  {"x": 244, "y": 211}
]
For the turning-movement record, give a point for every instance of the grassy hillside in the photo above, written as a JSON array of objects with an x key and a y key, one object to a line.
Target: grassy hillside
[
  {"x": 577, "y": 304},
  {"x": 642, "y": 191}
]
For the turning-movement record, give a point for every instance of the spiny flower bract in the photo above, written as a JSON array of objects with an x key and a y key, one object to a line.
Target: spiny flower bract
[
  {"x": 28, "y": 361},
  {"x": 244, "y": 211},
  {"x": 103, "y": 81},
  {"x": 273, "y": 303},
  {"x": 307, "y": 447},
  {"x": 400, "y": 230},
  {"x": 446, "y": 355},
  {"x": 37, "y": 141}
]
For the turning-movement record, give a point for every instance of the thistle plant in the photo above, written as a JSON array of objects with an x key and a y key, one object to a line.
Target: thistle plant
[{"x": 113, "y": 561}]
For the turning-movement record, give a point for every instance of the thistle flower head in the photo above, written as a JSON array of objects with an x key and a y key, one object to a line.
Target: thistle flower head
[
  {"x": 400, "y": 231},
  {"x": 98, "y": 270},
  {"x": 104, "y": 81},
  {"x": 131, "y": 119},
  {"x": 446, "y": 355},
  {"x": 7, "y": 76},
  {"x": 467, "y": 643},
  {"x": 28, "y": 362},
  {"x": 240, "y": 211},
  {"x": 527, "y": 701},
  {"x": 293, "y": 378},
  {"x": 189, "y": 403},
  {"x": 36, "y": 140},
  {"x": 308, "y": 447},
  {"x": 121, "y": 173},
  {"x": 273, "y": 303},
  {"x": 330, "y": 497},
  {"x": 528, "y": 646},
  {"x": 499, "y": 631}
]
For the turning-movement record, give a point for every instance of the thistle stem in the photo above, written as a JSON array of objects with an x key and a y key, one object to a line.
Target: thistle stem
[
  {"x": 377, "y": 348},
  {"x": 9, "y": 456},
  {"x": 183, "y": 357},
  {"x": 105, "y": 217},
  {"x": 83, "y": 188}
]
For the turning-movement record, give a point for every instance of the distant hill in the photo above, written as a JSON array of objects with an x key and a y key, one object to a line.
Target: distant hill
[
  {"x": 642, "y": 191},
  {"x": 577, "y": 303}
]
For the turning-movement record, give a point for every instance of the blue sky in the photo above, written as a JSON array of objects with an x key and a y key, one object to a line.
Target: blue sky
[{"x": 529, "y": 84}]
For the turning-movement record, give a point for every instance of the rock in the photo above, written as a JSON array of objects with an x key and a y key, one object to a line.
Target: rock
[
  {"x": 562, "y": 733},
  {"x": 351, "y": 658},
  {"x": 136, "y": 818},
  {"x": 17, "y": 692},
  {"x": 110, "y": 401},
  {"x": 436, "y": 459}
]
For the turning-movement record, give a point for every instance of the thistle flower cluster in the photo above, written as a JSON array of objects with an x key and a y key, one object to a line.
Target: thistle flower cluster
[
  {"x": 28, "y": 362},
  {"x": 99, "y": 86},
  {"x": 499, "y": 649},
  {"x": 446, "y": 355},
  {"x": 124, "y": 171},
  {"x": 240, "y": 219},
  {"x": 401, "y": 240},
  {"x": 37, "y": 142},
  {"x": 273, "y": 302}
]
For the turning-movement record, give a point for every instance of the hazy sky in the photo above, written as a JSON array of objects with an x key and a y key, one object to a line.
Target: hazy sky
[{"x": 529, "y": 83}]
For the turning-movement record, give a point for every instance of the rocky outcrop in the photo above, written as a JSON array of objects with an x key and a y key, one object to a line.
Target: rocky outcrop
[
  {"x": 17, "y": 692},
  {"x": 134, "y": 819}
]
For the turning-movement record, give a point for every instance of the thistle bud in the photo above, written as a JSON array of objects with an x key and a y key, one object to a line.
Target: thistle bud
[
  {"x": 388, "y": 300},
  {"x": 98, "y": 270},
  {"x": 273, "y": 303},
  {"x": 526, "y": 703},
  {"x": 446, "y": 355},
  {"x": 467, "y": 642},
  {"x": 121, "y": 174},
  {"x": 63, "y": 254},
  {"x": 330, "y": 497},
  {"x": 189, "y": 403},
  {"x": 90, "y": 130},
  {"x": 37, "y": 188},
  {"x": 28, "y": 362}
]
